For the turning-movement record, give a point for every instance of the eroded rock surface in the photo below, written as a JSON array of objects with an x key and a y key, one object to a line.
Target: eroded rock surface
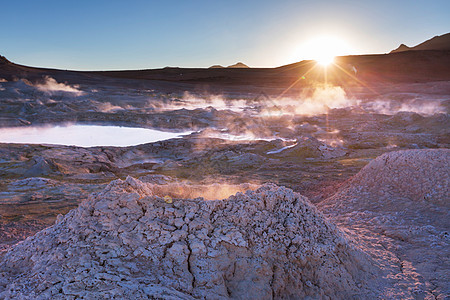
[
  {"x": 127, "y": 241},
  {"x": 402, "y": 181},
  {"x": 398, "y": 207}
]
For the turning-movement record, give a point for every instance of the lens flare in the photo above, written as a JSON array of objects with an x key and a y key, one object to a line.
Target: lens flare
[{"x": 168, "y": 199}]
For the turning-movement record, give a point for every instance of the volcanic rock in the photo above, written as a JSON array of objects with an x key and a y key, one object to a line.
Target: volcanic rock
[
  {"x": 395, "y": 180},
  {"x": 42, "y": 167},
  {"x": 399, "y": 206},
  {"x": 309, "y": 147},
  {"x": 128, "y": 241}
]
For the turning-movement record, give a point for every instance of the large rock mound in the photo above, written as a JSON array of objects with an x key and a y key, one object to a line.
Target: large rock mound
[
  {"x": 398, "y": 180},
  {"x": 129, "y": 242},
  {"x": 399, "y": 206}
]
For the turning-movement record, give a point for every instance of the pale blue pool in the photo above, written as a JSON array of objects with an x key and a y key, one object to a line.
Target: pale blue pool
[{"x": 85, "y": 135}]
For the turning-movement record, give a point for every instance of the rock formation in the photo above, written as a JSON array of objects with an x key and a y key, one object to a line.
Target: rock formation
[
  {"x": 399, "y": 206},
  {"x": 130, "y": 241},
  {"x": 395, "y": 180},
  {"x": 308, "y": 147}
]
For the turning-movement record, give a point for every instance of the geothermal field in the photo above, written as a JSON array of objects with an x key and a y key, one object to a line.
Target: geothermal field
[{"x": 296, "y": 182}]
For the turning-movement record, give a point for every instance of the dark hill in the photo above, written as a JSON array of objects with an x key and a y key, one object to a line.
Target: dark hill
[
  {"x": 440, "y": 42},
  {"x": 238, "y": 65}
]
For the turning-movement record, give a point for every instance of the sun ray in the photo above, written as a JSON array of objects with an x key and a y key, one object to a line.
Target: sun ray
[
  {"x": 296, "y": 81},
  {"x": 325, "y": 60},
  {"x": 356, "y": 79}
]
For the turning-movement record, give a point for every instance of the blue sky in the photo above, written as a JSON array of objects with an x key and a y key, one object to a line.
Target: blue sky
[{"x": 94, "y": 35}]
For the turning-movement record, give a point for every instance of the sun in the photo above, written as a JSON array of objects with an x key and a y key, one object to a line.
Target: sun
[
  {"x": 325, "y": 59},
  {"x": 323, "y": 49}
]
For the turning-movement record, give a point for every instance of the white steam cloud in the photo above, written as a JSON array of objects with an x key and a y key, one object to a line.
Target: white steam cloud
[
  {"x": 107, "y": 107},
  {"x": 322, "y": 99},
  {"x": 189, "y": 101},
  {"x": 51, "y": 86},
  {"x": 319, "y": 101},
  {"x": 389, "y": 107}
]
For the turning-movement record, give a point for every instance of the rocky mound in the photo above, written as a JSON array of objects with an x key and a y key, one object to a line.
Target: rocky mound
[
  {"x": 399, "y": 206},
  {"x": 128, "y": 241},
  {"x": 398, "y": 180}
]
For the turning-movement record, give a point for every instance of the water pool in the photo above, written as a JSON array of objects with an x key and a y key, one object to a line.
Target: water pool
[{"x": 85, "y": 135}]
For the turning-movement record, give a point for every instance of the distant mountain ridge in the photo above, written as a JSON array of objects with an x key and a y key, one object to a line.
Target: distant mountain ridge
[
  {"x": 237, "y": 65},
  {"x": 4, "y": 60},
  {"x": 439, "y": 42},
  {"x": 426, "y": 64}
]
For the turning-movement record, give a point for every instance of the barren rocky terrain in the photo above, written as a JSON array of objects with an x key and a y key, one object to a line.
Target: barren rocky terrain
[
  {"x": 133, "y": 238},
  {"x": 342, "y": 186}
]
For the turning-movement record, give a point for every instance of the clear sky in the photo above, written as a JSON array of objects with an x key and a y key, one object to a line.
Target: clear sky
[{"x": 97, "y": 34}]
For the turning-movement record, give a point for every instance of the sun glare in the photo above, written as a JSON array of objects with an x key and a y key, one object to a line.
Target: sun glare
[
  {"x": 324, "y": 49},
  {"x": 325, "y": 60}
]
